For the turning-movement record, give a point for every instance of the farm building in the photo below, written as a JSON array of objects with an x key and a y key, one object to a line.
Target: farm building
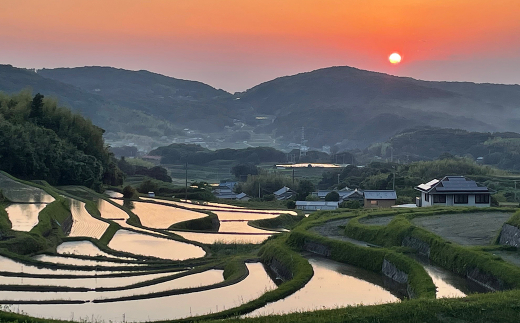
[
  {"x": 379, "y": 198},
  {"x": 285, "y": 193},
  {"x": 453, "y": 191}
]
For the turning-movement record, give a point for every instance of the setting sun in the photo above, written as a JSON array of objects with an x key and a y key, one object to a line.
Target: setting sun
[{"x": 394, "y": 58}]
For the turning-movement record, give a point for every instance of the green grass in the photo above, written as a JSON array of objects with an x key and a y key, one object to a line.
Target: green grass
[
  {"x": 283, "y": 221},
  {"x": 208, "y": 223}
]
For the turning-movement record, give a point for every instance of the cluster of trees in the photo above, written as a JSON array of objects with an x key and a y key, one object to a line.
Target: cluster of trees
[
  {"x": 500, "y": 149},
  {"x": 39, "y": 140},
  {"x": 195, "y": 154},
  {"x": 265, "y": 184},
  {"x": 383, "y": 176},
  {"x": 157, "y": 172}
]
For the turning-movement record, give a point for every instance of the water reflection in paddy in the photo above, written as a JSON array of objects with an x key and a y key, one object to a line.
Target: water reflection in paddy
[
  {"x": 162, "y": 217},
  {"x": 142, "y": 244},
  {"x": 9, "y": 265},
  {"x": 110, "y": 211},
  {"x": 18, "y": 192},
  {"x": 210, "y": 238},
  {"x": 24, "y": 216},
  {"x": 81, "y": 282},
  {"x": 333, "y": 285},
  {"x": 449, "y": 284},
  {"x": 206, "y": 278},
  {"x": 80, "y": 262},
  {"x": 164, "y": 308},
  {"x": 84, "y": 225},
  {"x": 83, "y": 248}
]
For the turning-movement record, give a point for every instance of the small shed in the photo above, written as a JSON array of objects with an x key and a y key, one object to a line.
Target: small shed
[
  {"x": 380, "y": 198},
  {"x": 151, "y": 194}
]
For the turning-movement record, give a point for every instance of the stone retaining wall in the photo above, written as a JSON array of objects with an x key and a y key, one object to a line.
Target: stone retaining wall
[
  {"x": 422, "y": 247},
  {"x": 280, "y": 270},
  {"x": 317, "y": 248},
  {"x": 487, "y": 280},
  {"x": 510, "y": 235}
]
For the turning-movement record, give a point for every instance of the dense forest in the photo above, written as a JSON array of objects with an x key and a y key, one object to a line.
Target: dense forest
[
  {"x": 40, "y": 140},
  {"x": 499, "y": 149},
  {"x": 195, "y": 154}
]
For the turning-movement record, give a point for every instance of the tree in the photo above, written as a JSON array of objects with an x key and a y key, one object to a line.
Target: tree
[
  {"x": 129, "y": 192},
  {"x": 242, "y": 170},
  {"x": 36, "y": 107},
  {"x": 305, "y": 187},
  {"x": 332, "y": 196}
]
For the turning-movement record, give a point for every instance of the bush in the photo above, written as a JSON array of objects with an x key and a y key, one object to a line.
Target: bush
[
  {"x": 129, "y": 192},
  {"x": 332, "y": 196},
  {"x": 350, "y": 205},
  {"x": 291, "y": 204},
  {"x": 148, "y": 186}
]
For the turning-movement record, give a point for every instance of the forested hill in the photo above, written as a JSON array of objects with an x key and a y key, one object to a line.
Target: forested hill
[
  {"x": 362, "y": 107},
  {"x": 39, "y": 140},
  {"x": 188, "y": 104},
  {"x": 195, "y": 154},
  {"x": 498, "y": 149}
]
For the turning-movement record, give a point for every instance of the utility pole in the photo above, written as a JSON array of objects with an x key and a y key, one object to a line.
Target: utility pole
[
  {"x": 515, "y": 191},
  {"x": 186, "y": 191},
  {"x": 393, "y": 183},
  {"x": 258, "y": 189},
  {"x": 338, "y": 181},
  {"x": 293, "y": 177}
]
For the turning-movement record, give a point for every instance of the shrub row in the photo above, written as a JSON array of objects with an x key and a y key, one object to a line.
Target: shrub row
[
  {"x": 283, "y": 221},
  {"x": 207, "y": 223}
]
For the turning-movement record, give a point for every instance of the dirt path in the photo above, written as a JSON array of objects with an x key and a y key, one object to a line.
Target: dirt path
[
  {"x": 332, "y": 230},
  {"x": 471, "y": 229}
]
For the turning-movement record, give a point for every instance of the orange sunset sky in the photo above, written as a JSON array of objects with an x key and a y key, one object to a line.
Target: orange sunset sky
[{"x": 236, "y": 44}]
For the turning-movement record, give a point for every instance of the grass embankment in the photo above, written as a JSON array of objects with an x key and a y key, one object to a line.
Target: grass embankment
[
  {"x": 515, "y": 219},
  {"x": 208, "y": 223},
  {"x": 458, "y": 259},
  {"x": 283, "y": 221},
  {"x": 5, "y": 223}
]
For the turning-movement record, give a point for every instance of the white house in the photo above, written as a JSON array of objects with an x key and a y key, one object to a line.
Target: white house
[
  {"x": 453, "y": 191},
  {"x": 316, "y": 205}
]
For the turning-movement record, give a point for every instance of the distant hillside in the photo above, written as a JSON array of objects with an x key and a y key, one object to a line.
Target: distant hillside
[
  {"x": 341, "y": 106},
  {"x": 105, "y": 114},
  {"x": 356, "y": 107},
  {"x": 498, "y": 149},
  {"x": 188, "y": 104}
]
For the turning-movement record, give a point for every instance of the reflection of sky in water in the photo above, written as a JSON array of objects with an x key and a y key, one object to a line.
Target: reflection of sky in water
[
  {"x": 206, "y": 278},
  {"x": 210, "y": 238},
  {"x": 142, "y": 244},
  {"x": 162, "y": 217},
  {"x": 9, "y": 265},
  {"x": 84, "y": 225},
  {"x": 24, "y": 217},
  {"x": 110, "y": 211},
  {"x": 84, "y": 248},
  {"x": 164, "y": 308},
  {"x": 18, "y": 192},
  {"x": 333, "y": 285}
]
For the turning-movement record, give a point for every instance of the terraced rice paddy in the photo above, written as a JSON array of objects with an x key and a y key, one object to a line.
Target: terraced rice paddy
[
  {"x": 333, "y": 285},
  {"x": 81, "y": 262},
  {"x": 18, "y": 192},
  {"x": 82, "y": 248},
  {"x": 473, "y": 229},
  {"x": 110, "y": 211},
  {"x": 24, "y": 217},
  {"x": 164, "y": 308},
  {"x": 84, "y": 225},
  {"x": 162, "y": 217},
  {"x": 210, "y": 238},
  {"x": 146, "y": 245},
  {"x": 206, "y": 278},
  {"x": 10, "y": 266}
]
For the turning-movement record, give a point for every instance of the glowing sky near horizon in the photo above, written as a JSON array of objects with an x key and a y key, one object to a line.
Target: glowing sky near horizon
[{"x": 236, "y": 44}]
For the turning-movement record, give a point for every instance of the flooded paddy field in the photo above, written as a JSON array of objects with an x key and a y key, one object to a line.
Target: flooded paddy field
[
  {"x": 11, "y": 266},
  {"x": 92, "y": 283},
  {"x": 81, "y": 262},
  {"x": 21, "y": 193},
  {"x": 470, "y": 229},
  {"x": 24, "y": 217},
  {"x": 146, "y": 245},
  {"x": 163, "y": 308},
  {"x": 333, "y": 285},
  {"x": 82, "y": 248},
  {"x": 84, "y": 225},
  {"x": 210, "y": 238},
  {"x": 206, "y": 278},
  {"x": 110, "y": 211},
  {"x": 159, "y": 216}
]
